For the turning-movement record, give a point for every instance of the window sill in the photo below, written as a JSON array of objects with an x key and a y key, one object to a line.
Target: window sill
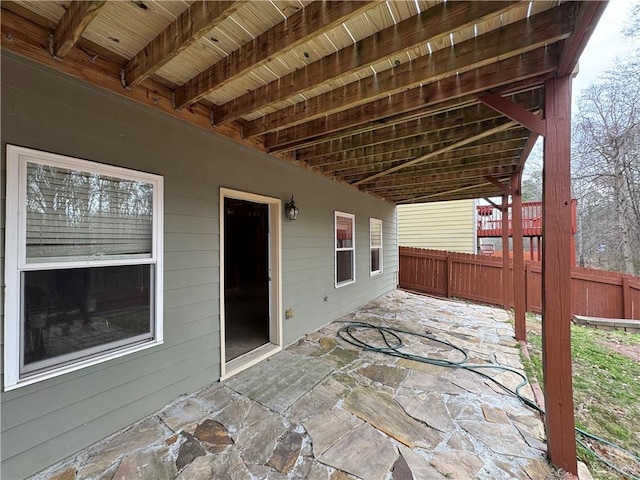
[
  {"x": 30, "y": 380},
  {"x": 344, "y": 284},
  {"x": 376, "y": 273}
]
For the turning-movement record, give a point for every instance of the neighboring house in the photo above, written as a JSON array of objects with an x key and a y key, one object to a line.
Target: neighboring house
[
  {"x": 148, "y": 152},
  {"x": 449, "y": 226}
]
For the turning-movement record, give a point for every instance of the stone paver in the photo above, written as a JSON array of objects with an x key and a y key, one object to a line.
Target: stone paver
[{"x": 326, "y": 410}]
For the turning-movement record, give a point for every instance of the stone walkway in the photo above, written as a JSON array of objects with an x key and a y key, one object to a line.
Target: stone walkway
[{"x": 323, "y": 409}]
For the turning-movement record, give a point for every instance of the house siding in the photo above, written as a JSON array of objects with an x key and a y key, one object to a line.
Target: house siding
[
  {"x": 440, "y": 225},
  {"x": 42, "y": 109}
]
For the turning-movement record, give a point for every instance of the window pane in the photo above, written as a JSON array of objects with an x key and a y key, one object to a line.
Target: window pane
[
  {"x": 375, "y": 259},
  {"x": 77, "y": 215},
  {"x": 376, "y": 234},
  {"x": 344, "y": 232},
  {"x": 344, "y": 266},
  {"x": 73, "y": 311}
]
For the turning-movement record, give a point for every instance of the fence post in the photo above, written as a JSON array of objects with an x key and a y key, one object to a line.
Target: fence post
[
  {"x": 449, "y": 271},
  {"x": 626, "y": 297},
  {"x": 527, "y": 280}
]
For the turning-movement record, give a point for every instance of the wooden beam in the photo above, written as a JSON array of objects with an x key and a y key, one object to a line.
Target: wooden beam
[
  {"x": 416, "y": 30},
  {"x": 441, "y": 177},
  {"x": 455, "y": 119},
  {"x": 491, "y": 202},
  {"x": 192, "y": 24},
  {"x": 506, "y": 189},
  {"x": 512, "y": 40},
  {"x": 311, "y": 21},
  {"x": 513, "y": 69},
  {"x": 394, "y": 119},
  {"x": 447, "y": 160},
  {"x": 449, "y": 191},
  {"x": 73, "y": 23},
  {"x": 515, "y": 112},
  {"x": 519, "y": 294},
  {"x": 445, "y": 106},
  {"x": 425, "y": 140},
  {"x": 556, "y": 277},
  {"x": 29, "y": 40},
  {"x": 506, "y": 261},
  {"x": 428, "y": 189},
  {"x": 509, "y": 140},
  {"x": 526, "y": 151},
  {"x": 453, "y": 146},
  {"x": 588, "y": 15}
]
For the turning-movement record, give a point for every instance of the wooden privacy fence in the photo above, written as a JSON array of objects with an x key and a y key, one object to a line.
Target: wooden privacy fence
[{"x": 594, "y": 293}]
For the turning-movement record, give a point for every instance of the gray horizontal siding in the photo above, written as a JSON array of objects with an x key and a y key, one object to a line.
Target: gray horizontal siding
[{"x": 47, "y": 111}]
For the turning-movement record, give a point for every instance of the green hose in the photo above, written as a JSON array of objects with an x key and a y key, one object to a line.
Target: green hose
[{"x": 393, "y": 343}]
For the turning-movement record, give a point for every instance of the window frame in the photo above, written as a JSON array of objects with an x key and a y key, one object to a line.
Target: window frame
[
  {"x": 352, "y": 249},
  {"x": 373, "y": 273},
  {"x": 16, "y": 263}
]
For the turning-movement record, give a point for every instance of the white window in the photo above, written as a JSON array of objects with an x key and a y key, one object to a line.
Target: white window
[
  {"x": 83, "y": 264},
  {"x": 345, "y": 248},
  {"x": 375, "y": 245}
]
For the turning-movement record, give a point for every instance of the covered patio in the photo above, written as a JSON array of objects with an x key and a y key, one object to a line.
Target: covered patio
[
  {"x": 406, "y": 101},
  {"x": 334, "y": 411}
]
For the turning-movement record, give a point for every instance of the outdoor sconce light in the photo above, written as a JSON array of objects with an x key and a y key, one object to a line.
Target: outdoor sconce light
[{"x": 291, "y": 210}]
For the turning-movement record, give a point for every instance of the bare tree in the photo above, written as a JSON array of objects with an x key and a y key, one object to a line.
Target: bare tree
[{"x": 606, "y": 164}]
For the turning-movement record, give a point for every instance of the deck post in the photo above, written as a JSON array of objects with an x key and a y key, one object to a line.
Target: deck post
[
  {"x": 556, "y": 276},
  {"x": 518, "y": 258},
  {"x": 506, "y": 284}
]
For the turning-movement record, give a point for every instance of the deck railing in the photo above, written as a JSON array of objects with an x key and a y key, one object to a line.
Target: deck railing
[
  {"x": 490, "y": 220},
  {"x": 594, "y": 293}
]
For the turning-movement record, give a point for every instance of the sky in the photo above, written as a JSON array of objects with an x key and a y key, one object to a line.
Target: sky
[{"x": 606, "y": 43}]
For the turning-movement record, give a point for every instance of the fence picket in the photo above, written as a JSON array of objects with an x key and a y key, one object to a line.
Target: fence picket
[{"x": 594, "y": 293}]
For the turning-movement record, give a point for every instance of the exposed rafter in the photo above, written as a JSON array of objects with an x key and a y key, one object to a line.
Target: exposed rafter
[
  {"x": 312, "y": 21},
  {"x": 494, "y": 75},
  {"x": 70, "y": 27},
  {"x": 465, "y": 141},
  {"x": 448, "y": 106},
  {"x": 425, "y": 140},
  {"x": 470, "y": 174},
  {"x": 509, "y": 41},
  {"x": 394, "y": 40},
  {"x": 512, "y": 144},
  {"x": 450, "y": 120},
  {"x": 195, "y": 22},
  {"x": 406, "y": 102}
]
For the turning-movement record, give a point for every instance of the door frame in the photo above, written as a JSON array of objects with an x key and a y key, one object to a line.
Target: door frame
[{"x": 232, "y": 367}]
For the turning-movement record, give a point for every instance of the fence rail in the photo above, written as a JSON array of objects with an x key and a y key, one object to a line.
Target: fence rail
[{"x": 594, "y": 293}]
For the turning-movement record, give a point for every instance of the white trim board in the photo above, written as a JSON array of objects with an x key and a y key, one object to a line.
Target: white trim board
[{"x": 276, "y": 341}]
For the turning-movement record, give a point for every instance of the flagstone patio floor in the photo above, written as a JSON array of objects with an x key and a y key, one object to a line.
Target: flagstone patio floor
[{"x": 325, "y": 409}]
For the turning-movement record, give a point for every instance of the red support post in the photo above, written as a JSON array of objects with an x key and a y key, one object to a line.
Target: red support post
[
  {"x": 556, "y": 276},
  {"x": 518, "y": 259},
  {"x": 506, "y": 284}
]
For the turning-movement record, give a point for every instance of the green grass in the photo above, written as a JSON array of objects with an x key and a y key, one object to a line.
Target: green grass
[{"x": 606, "y": 390}]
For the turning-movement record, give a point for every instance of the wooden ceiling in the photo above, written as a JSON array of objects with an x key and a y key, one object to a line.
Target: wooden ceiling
[{"x": 398, "y": 98}]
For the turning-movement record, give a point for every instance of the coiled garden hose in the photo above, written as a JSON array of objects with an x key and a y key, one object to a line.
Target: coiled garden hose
[{"x": 390, "y": 337}]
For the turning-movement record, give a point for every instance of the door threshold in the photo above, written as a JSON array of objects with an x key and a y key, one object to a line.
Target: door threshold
[{"x": 237, "y": 365}]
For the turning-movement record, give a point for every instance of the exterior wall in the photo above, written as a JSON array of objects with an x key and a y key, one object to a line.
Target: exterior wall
[
  {"x": 45, "y": 110},
  {"x": 446, "y": 226}
]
